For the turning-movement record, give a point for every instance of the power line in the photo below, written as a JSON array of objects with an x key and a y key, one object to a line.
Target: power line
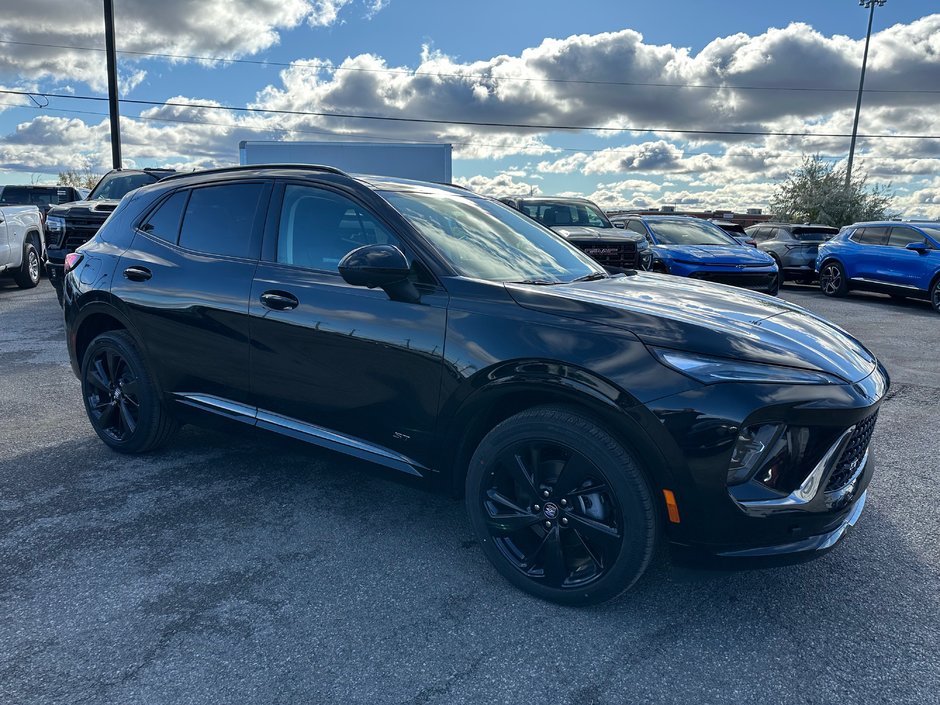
[
  {"x": 469, "y": 123},
  {"x": 328, "y": 66},
  {"x": 358, "y": 135}
]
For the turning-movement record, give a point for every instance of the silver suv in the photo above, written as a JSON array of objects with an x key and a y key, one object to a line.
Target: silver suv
[{"x": 793, "y": 247}]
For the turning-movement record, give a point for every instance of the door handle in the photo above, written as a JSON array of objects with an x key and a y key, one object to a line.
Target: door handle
[
  {"x": 279, "y": 300},
  {"x": 137, "y": 274}
]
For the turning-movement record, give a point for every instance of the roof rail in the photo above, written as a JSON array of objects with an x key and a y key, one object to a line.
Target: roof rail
[{"x": 253, "y": 167}]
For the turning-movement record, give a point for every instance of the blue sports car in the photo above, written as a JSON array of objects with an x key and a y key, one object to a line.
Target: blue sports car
[
  {"x": 901, "y": 259},
  {"x": 691, "y": 247}
]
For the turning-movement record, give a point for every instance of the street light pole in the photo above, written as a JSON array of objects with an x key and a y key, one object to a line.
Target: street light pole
[
  {"x": 870, "y": 4},
  {"x": 112, "y": 83}
]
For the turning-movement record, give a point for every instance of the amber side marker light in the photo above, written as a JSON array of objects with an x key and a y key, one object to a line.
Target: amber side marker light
[{"x": 671, "y": 507}]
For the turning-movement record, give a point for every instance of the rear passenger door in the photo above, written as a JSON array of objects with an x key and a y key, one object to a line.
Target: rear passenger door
[
  {"x": 866, "y": 261},
  {"x": 185, "y": 283}
]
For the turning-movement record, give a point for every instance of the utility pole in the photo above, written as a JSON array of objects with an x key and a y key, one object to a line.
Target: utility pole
[
  {"x": 870, "y": 4},
  {"x": 112, "y": 83}
]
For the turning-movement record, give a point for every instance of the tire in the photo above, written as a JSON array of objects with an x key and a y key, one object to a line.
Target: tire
[
  {"x": 28, "y": 274},
  {"x": 774, "y": 290},
  {"x": 122, "y": 402},
  {"x": 935, "y": 295},
  {"x": 832, "y": 281},
  {"x": 586, "y": 541}
]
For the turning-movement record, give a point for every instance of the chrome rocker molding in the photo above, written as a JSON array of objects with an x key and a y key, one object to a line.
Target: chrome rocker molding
[
  {"x": 887, "y": 284},
  {"x": 809, "y": 490},
  {"x": 301, "y": 430}
]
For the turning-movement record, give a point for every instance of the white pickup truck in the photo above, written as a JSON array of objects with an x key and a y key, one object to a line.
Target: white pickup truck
[{"x": 21, "y": 244}]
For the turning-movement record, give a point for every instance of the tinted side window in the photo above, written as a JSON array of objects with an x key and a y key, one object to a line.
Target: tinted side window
[
  {"x": 164, "y": 222},
  {"x": 871, "y": 236},
  {"x": 318, "y": 228},
  {"x": 761, "y": 234},
  {"x": 219, "y": 219},
  {"x": 901, "y": 237},
  {"x": 637, "y": 227}
]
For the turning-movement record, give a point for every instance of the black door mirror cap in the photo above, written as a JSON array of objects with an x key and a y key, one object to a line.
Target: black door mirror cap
[
  {"x": 920, "y": 247},
  {"x": 380, "y": 266}
]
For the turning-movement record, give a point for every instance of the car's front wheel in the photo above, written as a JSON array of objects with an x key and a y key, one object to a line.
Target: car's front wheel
[
  {"x": 560, "y": 507},
  {"x": 832, "y": 279},
  {"x": 121, "y": 399},
  {"x": 935, "y": 295}
]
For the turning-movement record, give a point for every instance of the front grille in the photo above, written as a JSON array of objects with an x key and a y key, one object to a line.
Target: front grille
[
  {"x": 611, "y": 254},
  {"x": 852, "y": 456},
  {"x": 743, "y": 279},
  {"x": 78, "y": 231}
]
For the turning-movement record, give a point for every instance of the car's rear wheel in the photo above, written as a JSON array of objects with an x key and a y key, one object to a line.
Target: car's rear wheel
[
  {"x": 935, "y": 295},
  {"x": 121, "y": 399},
  {"x": 560, "y": 507},
  {"x": 832, "y": 279},
  {"x": 28, "y": 274}
]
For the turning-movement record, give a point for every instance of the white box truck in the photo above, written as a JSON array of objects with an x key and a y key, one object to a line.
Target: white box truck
[{"x": 425, "y": 162}]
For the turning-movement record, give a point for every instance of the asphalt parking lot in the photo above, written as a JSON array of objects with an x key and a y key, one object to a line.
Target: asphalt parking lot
[{"x": 238, "y": 569}]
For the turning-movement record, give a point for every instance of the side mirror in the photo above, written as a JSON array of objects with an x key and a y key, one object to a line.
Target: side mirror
[
  {"x": 380, "y": 266},
  {"x": 918, "y": 247}
]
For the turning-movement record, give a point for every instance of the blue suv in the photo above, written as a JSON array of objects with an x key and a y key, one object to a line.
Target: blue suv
[
  {"x": 901, "y": 259},
  {"x": 699, "y": 249}
]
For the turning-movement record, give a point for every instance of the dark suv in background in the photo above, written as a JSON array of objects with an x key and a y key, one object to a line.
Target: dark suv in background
[
  {"x": 453, "y": 341},
  {"x": 793, "y": 247},
  {"x": 70, "y": 225},
  {"x": 585, "y": 226}
]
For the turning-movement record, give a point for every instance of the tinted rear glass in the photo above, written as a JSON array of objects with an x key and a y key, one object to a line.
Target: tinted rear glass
[
  {"x": 871, "y": 236},
  {"x": 21, "y": 196},
  {"x": 814, "y": 234},
  {"x": 219, "y": 219},
  {"x": 164, "y": 222}
]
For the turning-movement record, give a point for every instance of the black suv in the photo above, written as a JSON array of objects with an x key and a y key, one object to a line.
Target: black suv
[
  {"x": 43, "y": 197},
  {"x": 585, "y": 226},
  {"x": 586, "y": 417},
  {"x": 70, "y": 225}
]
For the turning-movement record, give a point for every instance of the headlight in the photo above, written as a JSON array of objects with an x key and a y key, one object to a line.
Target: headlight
[
  {"x": 55, "y": 224},
  {"x": 711, "y": 370}
]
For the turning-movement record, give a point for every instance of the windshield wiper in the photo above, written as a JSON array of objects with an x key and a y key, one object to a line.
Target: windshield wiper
[
  {"x": 593, "y": 276},
  {"x": 538, "y": 282}
]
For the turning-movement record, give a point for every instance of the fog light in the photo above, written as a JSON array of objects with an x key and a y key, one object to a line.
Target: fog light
[{"x": 751, "y": 446}]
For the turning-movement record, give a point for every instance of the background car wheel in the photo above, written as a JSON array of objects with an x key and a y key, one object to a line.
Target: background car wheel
[
  {"x": 775, "y": 287},
  {"x": 28, "y": 275},
  {"x": 935, "y": 295},
  {"x": 832, "y": 279},
  {"x": 561, "y": 508},
  {"x": 121, "y": 399}
]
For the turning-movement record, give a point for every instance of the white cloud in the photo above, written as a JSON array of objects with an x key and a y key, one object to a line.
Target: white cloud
[{"x": 499, "y": 185}]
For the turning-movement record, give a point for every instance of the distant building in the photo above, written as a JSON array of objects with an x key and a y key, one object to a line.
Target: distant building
[{"x": 751, "y": 217}]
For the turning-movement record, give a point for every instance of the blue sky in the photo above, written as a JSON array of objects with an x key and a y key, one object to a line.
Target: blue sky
[{"x": 720, "y": 43}]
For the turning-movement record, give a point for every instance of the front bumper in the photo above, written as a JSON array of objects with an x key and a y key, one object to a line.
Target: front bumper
[{"x": 761, "y": 278}]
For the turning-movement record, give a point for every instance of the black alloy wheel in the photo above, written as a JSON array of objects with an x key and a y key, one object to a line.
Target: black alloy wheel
[
  {"x": 935, "y": 295},
  {"x": 560, "y": 507},
  {"x": 832, "y": 279},
  {"x": 120, "y": 397}
]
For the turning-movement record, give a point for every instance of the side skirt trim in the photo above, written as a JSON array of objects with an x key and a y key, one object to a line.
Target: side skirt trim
[{"x": 301, "y": 430}]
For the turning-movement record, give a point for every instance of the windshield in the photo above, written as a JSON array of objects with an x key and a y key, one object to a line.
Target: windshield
[
  {"x": 689, "y": 232},
  {"x": 113, "y": 187},
  {"x": 487, "y": 240},
  {"x": 561, "y": 213},
  {"x": 932, "y": 230}
]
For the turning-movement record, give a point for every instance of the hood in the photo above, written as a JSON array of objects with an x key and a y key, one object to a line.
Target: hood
[
  {"x": 696, "y": 316},
  {"x": 581, "y": 232},
  {"x": 101, "y": 207},
  {"x": 716, "y": 254}
]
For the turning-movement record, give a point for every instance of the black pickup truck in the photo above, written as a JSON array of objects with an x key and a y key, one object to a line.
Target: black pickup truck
[
  {"x": 71, "y": 225},
  {"x": 585, "y": 226}
]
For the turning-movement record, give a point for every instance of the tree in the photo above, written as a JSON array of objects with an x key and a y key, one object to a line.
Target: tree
[
  {"x": 816, "y": 193},
  {"x": 83, "y": 178}
]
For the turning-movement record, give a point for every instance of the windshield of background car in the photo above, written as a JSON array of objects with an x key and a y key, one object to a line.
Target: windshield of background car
[
  {"x": 814, "y": 234},
  {"x": 689, "y": 232},
  {"x": 487, "y": 240},
  {"x": 561, "y": 213},
  {"x": 114, "y": 187},
  {"x": 932, "y": 230}
]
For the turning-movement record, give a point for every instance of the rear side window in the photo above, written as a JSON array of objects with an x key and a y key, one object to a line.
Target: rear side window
[
  {"x": 164, "y": 222},
  {"x": 814, "y": 234},
  {"x": 902, "y": 237},
  {"x": 219, "y": 219},
  {"x": 871, "y": 236}
]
